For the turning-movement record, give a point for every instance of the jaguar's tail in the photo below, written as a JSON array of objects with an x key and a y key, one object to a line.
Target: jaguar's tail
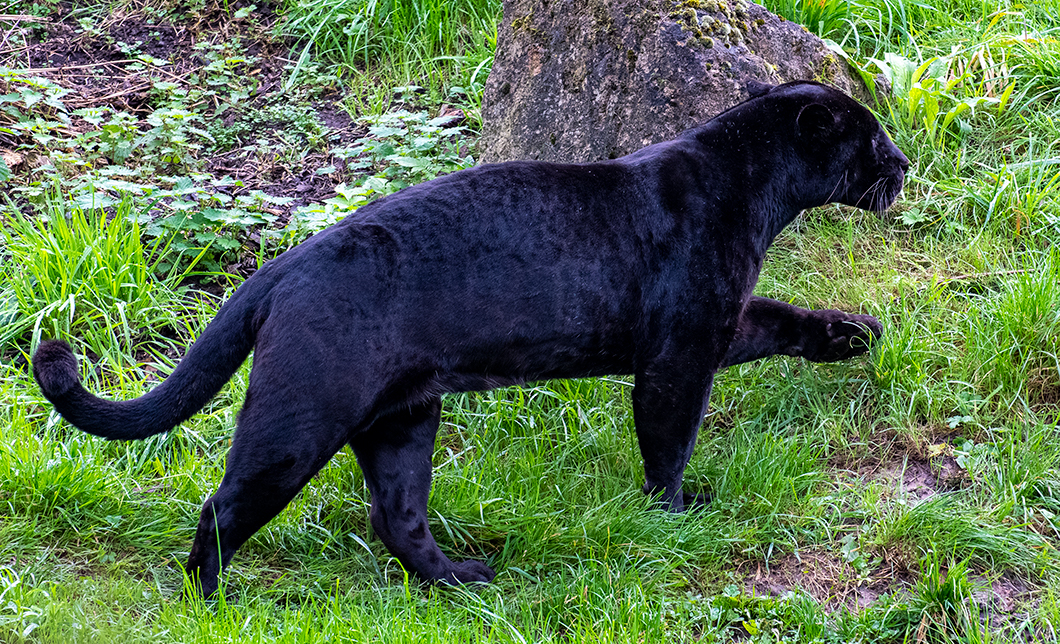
[{"x": 206, "y": 367}]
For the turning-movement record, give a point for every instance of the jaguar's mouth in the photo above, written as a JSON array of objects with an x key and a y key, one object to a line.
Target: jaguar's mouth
[{"x": 883, "y": 192}]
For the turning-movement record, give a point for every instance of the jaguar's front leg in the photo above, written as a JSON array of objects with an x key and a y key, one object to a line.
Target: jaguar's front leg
[
  {"x": 668, "y": 408},
  {"x": 768, "y": 327}
]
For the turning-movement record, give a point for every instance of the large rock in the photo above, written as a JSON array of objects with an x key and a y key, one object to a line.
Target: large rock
[{"x": 583, "y": 80}]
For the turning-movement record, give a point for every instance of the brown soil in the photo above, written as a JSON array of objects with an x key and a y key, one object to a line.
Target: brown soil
[
  {"x": 93, "y": 66},
  {"x": 916, "y": 479},
  {"x": 1006, "y": 594},
  {"x": 830, "y": 580}
]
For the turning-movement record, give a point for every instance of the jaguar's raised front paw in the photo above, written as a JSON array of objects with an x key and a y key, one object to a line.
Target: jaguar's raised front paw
[{"x": 840, "y": 335}]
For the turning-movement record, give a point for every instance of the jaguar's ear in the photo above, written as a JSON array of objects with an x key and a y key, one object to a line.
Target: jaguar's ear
[
  {"x": 758, "y": 88},
  {"x": 814, "y": 120}
]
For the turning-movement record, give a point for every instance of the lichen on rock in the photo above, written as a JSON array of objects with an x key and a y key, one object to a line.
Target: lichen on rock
[{"x": 711, "y": 21}]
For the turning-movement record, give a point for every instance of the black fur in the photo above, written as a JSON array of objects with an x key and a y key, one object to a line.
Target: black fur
[{"x": 502, "y": 274}]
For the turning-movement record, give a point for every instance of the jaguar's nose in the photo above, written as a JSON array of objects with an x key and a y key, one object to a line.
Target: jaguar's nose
[{"x": 903, "y": 161}]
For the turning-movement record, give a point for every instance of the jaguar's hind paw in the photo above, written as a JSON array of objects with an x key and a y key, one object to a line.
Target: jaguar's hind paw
[
  {"x": 696, "y": 501},
  {"x": 469, "y": 572}
]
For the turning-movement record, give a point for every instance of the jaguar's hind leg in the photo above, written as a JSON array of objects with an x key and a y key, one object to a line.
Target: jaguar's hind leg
[
  {"x": 395, "y": 456},
  {"x": 768, "y": 327},
  {"x": 276, "y": 449}
]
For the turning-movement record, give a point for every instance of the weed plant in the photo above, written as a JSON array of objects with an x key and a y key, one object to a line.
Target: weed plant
[
  {"x": 399, "y": 150},
  {"x": 887, "y": 499}
]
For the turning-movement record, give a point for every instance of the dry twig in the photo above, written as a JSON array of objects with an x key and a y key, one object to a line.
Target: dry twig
[{"x": 15, "y": 17}]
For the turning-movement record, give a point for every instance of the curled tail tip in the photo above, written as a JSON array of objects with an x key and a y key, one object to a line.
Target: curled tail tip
[{"x": 55, "y": 368}]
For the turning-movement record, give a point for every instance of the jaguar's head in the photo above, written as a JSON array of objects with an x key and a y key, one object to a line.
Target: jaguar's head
[{"x": 848, "y": 156}]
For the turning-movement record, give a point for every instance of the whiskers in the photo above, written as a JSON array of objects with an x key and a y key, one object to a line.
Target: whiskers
[
  {"x": 840, "y": 188},
  {"x": 881, "y": 194}
]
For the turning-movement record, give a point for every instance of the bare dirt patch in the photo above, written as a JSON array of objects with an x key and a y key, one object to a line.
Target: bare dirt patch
[
  {"x": 831, "y": 581},
  {"x": 106, "y": 61},
  {"x": 915, "y": 479},
  {"x": 1003, "y": 595},
  {"x": 1001, "y": 602},
  {"x": 119, "y": 61}
]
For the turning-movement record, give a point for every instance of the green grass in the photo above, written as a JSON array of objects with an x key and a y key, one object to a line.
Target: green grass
[
  {"x": 441, "y": 44},
  {"x": 916, "y": 476},
  {"x": 69, "y": 273}
]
